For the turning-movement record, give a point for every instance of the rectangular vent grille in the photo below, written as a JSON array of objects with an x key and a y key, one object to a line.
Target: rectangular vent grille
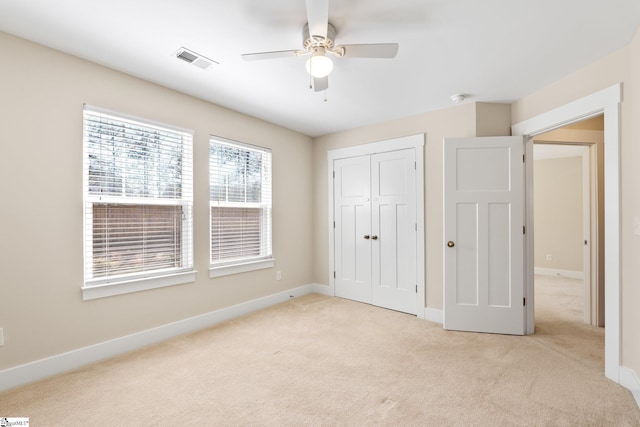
[
  {"x": 186, "y": 56},
  {"x": 194, "y": 58}
]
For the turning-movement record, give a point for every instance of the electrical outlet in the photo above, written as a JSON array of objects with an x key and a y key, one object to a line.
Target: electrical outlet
[
  {"x": 549, "y": 257},
  {"x": 1, "y": 337},
  {"x": 278, "y": 275}
]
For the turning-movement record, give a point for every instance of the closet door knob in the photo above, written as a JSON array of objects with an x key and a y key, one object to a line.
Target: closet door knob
[
  {"x": 450, "y": 244},
  {"x": 374, "y": 237},
  {"x": 366, "y": 237}
]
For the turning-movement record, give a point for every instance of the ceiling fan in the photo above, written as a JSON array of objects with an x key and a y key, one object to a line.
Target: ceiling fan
[{"x": 318, "y": 36}]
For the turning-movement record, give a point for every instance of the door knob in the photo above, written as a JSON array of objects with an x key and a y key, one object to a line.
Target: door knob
[
  {"x": 450, "y": 244},
  {"x": 366, "y": 237},
  {"x": 374, "y": 237}
]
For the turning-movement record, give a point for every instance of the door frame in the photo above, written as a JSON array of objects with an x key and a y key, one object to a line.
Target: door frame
[
  {"x": 416, "y": 142},
  {"x": 607, "y": 102}
]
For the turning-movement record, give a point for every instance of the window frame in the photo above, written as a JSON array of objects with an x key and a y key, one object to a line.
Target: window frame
[
  {"x": 138, "y": 281},
  {"x": 265, "y": 259}
]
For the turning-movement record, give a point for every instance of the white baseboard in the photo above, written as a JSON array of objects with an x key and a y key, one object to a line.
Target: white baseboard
[
  {"x": 34, "y": 371},
  {"x": 433, "y": 315},
  {"x": 555, "y": 272},
  {"x": 629, "y": 379},
  {"x": 323, "y": 290}
]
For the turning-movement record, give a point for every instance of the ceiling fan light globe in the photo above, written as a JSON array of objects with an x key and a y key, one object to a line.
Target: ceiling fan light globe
[{"x": 319, "y": 66}]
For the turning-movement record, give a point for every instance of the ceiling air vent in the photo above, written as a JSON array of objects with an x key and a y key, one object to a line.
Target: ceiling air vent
[{"x": 194, "y": 58}]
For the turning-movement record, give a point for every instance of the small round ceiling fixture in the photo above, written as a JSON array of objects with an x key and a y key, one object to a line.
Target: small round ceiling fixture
[{"x": 457, "y": 99}]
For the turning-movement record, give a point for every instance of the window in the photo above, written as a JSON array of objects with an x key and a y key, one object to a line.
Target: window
[
  {"x": 138, "y": 201},
  {"x": 240, "y": 207}
]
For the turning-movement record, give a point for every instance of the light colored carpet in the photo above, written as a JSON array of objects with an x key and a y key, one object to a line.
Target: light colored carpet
[
  {"x": 560, "y": 320},
  {"x": 324, "y": 361}
]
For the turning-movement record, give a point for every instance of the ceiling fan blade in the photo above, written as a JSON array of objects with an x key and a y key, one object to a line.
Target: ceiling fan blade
[
  {"x": 376, "y": 50},
  {"x": 269, "y": 55},
  {"x": 320, "y": 84},
  {"x": 318, "y": 17}
]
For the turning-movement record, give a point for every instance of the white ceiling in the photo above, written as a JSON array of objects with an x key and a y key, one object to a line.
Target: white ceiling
[{"x": 491, "y": 50}]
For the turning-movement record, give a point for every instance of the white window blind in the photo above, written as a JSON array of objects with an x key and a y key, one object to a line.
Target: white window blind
[
  {"x": 240, "y": 202},
  {"x": 138, "y": 198}
]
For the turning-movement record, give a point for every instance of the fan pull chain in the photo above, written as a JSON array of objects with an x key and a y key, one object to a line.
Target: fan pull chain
[
  {"x": 325, "y": 96},
  {"x": 310, "y": 82}
]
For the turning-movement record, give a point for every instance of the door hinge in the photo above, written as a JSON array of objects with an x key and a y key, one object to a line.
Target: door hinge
[
  {"x": 334, "y": 174},
  {"x": 524, "y": 230},
  {"x": 416, "y": 289},
  {"x": 524, "y": 302},
  {"x": 334, "y": 224},
  {"x": 415, "y": 165},
  {"x": 334, "y": 274},
  {"x": 523, "y": 158}
]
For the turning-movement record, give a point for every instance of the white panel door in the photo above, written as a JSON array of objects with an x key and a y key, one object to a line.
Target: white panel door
[
  {"x": 393, "y": 188},
  {"x": 483, "y": 235},
  {"x": 375, "y": 237},
  {"x": 352, "y": 216}
]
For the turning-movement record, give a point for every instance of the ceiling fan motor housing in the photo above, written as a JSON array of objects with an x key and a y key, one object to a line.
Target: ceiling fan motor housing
[{"x": 311, "y": 41}]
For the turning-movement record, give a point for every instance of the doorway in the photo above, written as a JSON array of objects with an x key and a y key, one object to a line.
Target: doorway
[
  {"x": 569, "y": 212},
  {"x": 561, "y": 234},
  {"x": 606, "y": 101},
  {"x": 567, "y": 221}
]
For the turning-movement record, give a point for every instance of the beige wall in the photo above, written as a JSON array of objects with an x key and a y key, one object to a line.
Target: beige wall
[
  {"x": 621, "y": 66},
  {"x": 558, "y": 213},
  {"x": 41, "y": 307},
  {"x": 458, "y": 121},
  {"x": 595, "y": 123},
  {"x": 493, "y": 119}
]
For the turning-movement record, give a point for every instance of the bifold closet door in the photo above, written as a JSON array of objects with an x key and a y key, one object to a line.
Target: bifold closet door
[
  {"x": 352, "y": 228},
  {"x": 393, "y": 219},
  {"x": 375, "y": 229}
]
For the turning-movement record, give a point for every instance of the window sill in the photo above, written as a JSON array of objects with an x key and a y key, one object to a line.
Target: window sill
[
  {"x": 242, "y": 267},
  {"x": 125, "y": 287}
]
